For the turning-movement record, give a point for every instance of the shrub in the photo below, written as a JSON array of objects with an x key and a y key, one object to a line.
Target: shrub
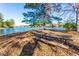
[{"x": 69, "y": 26}]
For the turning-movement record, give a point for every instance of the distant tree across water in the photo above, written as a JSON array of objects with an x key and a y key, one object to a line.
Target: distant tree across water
[
  {"x": 9, "y": 23},
  {"x": 6, "y": 24},
  {"x": 1, "y": 20}
]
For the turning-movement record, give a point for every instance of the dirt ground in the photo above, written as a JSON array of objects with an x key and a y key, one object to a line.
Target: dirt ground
[{"x": 40, "y": 43}]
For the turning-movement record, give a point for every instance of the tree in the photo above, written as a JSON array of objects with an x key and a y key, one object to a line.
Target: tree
[
  {"x": 29, "y": 17},
  {"x": 40, "y": 22},
  {"x": 68, "y": 11},
  {"x": 70, "y": 25},
  {"x": 77, "y": 17},
  {"x": 41, "y": 12},
  {"x": 5, "y": 24},
  {"x": 1, "y": 23},
  {"x": 9, "y": 23},
  {"x": 46, "y": 10},
  {"x": 58, "y": 19},
  {"x": 1, "y": 20}
]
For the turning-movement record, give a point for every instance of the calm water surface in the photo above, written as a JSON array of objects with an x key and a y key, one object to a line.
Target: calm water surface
[{"x": 15, "y": 30}]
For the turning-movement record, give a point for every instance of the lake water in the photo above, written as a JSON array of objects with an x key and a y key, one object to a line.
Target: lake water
[
  {"x": 57, "y": 28},
  {"x": 15, "y": 30}
]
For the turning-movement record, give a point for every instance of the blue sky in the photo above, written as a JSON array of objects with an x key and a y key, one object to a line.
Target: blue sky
[
  {"x": 15, "y": 10},
  {"x": 12, "y": 11}
]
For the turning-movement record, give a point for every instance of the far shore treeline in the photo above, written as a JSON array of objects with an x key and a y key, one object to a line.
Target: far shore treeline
[{"x": 6, "y": 24}]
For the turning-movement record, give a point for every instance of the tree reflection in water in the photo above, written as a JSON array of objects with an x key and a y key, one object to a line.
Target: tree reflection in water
[{"x": 1, "y": 31}]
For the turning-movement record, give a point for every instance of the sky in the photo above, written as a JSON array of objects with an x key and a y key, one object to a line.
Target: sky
[{"x": 15, "y": 11}]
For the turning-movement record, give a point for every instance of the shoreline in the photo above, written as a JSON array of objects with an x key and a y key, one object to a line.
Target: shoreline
[
  {"x": 70, "y": 32},
  {"x": 2, "y": 28},
  {"x": 12, "y": 34}
]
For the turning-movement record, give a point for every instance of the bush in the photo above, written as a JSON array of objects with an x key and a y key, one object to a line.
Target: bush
[
  {"x": 8, "y": 24},
  {"x": 69, "y": 26}
]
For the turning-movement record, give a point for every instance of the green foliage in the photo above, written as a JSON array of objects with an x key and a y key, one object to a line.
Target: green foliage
[
  {"x": 69, "y": 26},
  {"x": 9, "y": 23},
  {"x": 1, "y": 23},
  {"x": 42, "y": 22},
  {"x": 39, "y": 23},
  {"x": 1, "y": 20},
  {"x": 58, "y": 19},
  {"x": 31, "y": 5},
  {"x": 5, "y": 24},
  {"x": 40, "y": 13},
  {"x": 51, "y": 25},
  {"x": 1, "y": 16}
]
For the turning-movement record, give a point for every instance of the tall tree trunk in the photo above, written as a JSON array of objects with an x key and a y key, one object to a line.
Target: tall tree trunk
[{"x": 77, "y": 19}]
